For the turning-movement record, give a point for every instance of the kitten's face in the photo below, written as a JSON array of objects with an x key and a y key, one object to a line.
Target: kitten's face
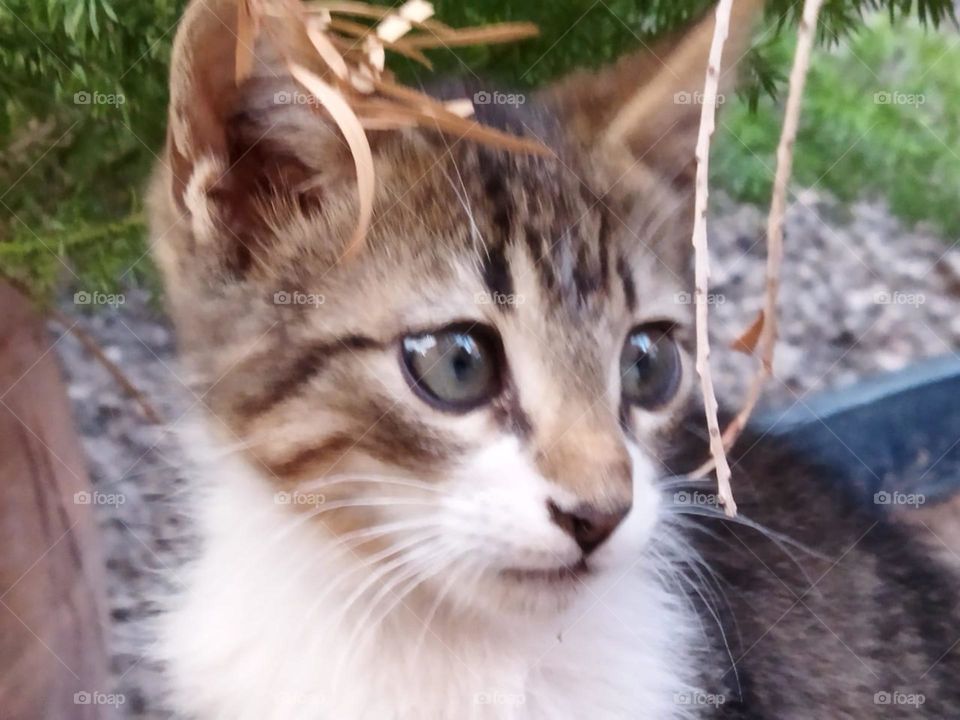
[
  {"x": 473, "y": 404},
  {"x": 492, "y": 371}
]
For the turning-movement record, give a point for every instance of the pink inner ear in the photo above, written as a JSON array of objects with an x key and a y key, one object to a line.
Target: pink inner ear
[{"x": 260, "y": 173}]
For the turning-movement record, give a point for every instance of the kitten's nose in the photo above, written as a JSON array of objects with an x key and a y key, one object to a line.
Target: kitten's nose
[{"x": 588, "y": 525}]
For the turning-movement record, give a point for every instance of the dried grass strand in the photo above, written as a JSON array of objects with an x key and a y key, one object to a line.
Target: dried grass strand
[
  {"x": 356, "y": 91},
  {"x": 91, "y": 345},
  {"x": 489, "y": 35},
  {"x": 701, "y": 254},
  {"x": 343, "y": 115}
]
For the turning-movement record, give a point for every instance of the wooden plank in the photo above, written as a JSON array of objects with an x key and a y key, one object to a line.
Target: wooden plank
[{"x": 52, "y": 647}]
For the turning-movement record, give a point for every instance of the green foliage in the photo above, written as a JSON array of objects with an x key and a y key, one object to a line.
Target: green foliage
[
  {"x": 84, "y": 90},
  {"x": 879, "y": 118},
  {"x": 83, "y": 98}
]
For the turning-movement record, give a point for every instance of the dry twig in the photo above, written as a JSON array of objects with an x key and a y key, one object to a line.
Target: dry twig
[
  {"x": 708, "y": 113},
  {"x": 93, "y": 347}
]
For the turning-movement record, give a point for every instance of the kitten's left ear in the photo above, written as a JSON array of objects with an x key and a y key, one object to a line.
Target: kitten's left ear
[{"x": 649, "y": 102}]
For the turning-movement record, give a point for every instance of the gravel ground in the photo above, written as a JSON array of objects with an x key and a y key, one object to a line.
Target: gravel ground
[{"x": 861, "y": 295}]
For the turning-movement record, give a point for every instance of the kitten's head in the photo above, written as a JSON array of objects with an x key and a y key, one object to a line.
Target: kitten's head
[{"x": 478, "y": 396}]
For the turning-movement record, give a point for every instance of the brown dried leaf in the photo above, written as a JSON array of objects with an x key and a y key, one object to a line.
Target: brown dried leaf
[
  {"x": 747, "y": 342},
  {"x": 401, "y": 47}
]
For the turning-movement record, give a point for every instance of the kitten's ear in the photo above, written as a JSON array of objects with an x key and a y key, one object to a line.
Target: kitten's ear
[
  {"x": 649, "y": 102},
  {"x": 239, "y": 152}
]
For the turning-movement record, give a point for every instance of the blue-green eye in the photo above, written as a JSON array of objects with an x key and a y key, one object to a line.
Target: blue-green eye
[
  {"x": 457, "y": 368},
  {"x": 649, "y": 367}
]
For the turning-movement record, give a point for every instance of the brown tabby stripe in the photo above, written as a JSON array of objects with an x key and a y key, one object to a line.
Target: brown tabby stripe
[
  {"x": 626, "y": 277},
  {"x": 306, "y": 365},
  {"x": 398, "y": 438},
  {"x": 535, "y": 246},
  {"x": 329, "y": 452},
  {"x": 496, "y": 274},
  {"x": 604, "y": 243},
  {"x": 496, "y": 269},
  {"x": 382, "y": 432},
  {"x": 586, "y": 278}
]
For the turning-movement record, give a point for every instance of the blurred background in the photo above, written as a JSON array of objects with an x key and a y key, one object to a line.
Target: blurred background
[{"x": 871, "y": 276}]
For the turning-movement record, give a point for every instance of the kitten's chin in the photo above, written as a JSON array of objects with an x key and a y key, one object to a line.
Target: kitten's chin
[{"x": 528, "y": 592}]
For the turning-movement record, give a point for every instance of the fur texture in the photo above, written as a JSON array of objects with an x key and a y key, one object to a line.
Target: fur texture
[{"x": 368, "y": 554}]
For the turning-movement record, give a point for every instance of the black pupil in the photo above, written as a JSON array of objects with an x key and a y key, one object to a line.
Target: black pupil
[{"x": 465, "y": 360}]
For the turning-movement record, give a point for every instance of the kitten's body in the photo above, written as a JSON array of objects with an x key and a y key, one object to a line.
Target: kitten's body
[
  {"x": 822, "y": 609},
  {"x": 371, "y": 552},
  {"x": 830, "y": 607}
]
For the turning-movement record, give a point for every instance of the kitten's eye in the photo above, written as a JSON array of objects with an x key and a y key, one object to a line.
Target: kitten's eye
[
  {"x": 649, "y": 367},
  {"x": 457, "y": 368}
]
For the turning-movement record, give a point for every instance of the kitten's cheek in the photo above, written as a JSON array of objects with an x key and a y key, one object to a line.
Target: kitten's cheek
[{"x": 628, "y": 541}]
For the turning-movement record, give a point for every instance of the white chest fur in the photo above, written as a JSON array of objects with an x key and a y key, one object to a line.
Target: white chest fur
[{"x": 260, "y": 633}]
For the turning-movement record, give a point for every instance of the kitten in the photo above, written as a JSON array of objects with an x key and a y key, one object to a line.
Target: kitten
[{"x": 433, "y": 476}]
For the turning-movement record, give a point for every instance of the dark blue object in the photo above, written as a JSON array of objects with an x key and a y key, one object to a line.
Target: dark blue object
[{"x": 896, "y": 436}]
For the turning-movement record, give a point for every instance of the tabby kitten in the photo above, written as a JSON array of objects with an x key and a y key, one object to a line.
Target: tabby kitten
[{"x": 432, "y": 476}]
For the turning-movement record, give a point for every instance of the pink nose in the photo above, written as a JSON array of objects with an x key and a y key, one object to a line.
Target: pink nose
[{"x": 587, "y": 525}]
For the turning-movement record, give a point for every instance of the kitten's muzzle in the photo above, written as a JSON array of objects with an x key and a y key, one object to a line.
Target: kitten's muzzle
[{"x": 587, "y": 524}]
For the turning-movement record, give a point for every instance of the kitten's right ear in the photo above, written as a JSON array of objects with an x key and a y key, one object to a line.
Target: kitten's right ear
[
  {"x": 648, "y": 103},
  {"x": 237, "y": 154}
]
